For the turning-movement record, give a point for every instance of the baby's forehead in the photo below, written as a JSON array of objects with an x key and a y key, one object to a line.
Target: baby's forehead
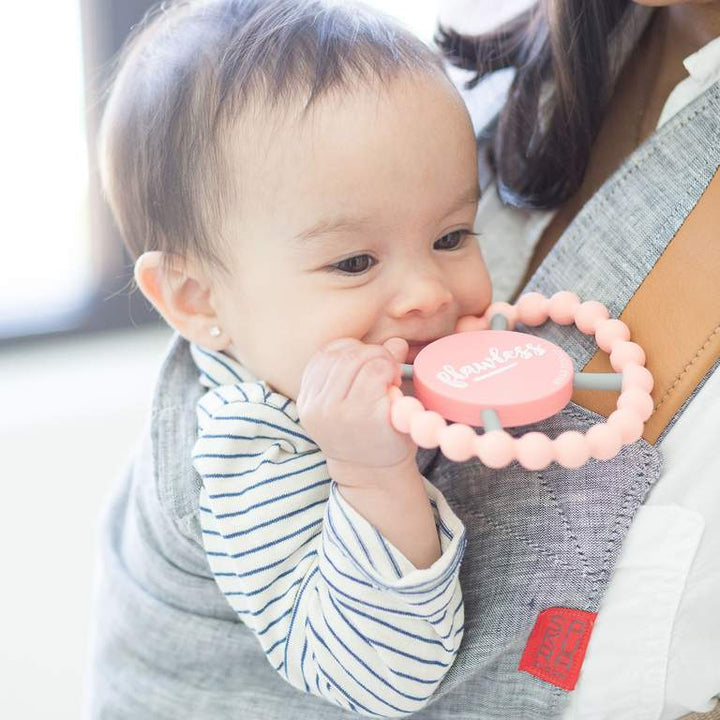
[
  {"x": 372, "y": 156},
  {"x": 263, "y": 140},
  {"x": 265, "y": 124},
  {"x": 268, "y": 134}
]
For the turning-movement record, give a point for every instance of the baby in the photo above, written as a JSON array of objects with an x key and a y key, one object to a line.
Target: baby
[{"x": 297, "y": 182}]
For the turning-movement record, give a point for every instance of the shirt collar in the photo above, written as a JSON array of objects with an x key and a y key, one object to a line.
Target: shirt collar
[
  {"x": 704, "y": 64},
  {"x": 218, "y": 368}
]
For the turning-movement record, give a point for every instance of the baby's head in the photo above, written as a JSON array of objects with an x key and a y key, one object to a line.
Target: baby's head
[{"x": 293, "y": 172}]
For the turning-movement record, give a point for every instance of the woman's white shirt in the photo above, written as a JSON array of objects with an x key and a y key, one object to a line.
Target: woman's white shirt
[{"x": 655, "y": 650}]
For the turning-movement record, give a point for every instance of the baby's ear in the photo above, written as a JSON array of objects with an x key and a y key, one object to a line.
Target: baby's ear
[{"x": 180, "y": 291}]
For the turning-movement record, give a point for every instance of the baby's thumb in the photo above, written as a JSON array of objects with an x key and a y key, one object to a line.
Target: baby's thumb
[{"x": 398, "y": 348}]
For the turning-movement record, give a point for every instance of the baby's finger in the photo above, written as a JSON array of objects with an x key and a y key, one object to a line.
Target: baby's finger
[
  {"x": 344, "y": 370},
  {"x": 373, "y": 379},
  {"x": 315, "y": 374},
  {"x": 398, "y": 348},
  {"x": 340, "y": 344}
]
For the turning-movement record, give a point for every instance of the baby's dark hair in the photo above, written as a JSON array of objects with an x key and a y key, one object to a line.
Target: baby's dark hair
[{"x": 193, "y": 67}]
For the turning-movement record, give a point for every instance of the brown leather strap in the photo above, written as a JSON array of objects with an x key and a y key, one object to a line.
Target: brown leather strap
[
  {"x": 714, "y": 714},
  {"x": 675, "y": 316}
]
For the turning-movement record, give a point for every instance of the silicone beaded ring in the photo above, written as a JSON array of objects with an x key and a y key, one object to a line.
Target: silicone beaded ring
[{"x": 496, "y": 448}]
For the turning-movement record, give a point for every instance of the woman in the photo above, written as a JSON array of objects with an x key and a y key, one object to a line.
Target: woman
[{"x": 605, "y": 101}]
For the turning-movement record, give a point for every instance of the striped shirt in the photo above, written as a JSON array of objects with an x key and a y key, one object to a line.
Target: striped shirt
[{"x": 338, "y": 610}]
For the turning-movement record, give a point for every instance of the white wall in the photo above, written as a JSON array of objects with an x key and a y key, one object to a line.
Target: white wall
[{"x": 72, "y": 410}]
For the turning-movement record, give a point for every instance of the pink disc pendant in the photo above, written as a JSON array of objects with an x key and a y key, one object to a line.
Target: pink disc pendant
[{"x": 522, "y": 377}]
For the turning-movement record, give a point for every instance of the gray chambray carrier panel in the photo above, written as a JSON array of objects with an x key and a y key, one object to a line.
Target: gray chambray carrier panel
[{"x": 167, "y": 644}]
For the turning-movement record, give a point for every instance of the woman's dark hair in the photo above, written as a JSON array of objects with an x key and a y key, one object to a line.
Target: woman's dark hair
[{"x": 563, "y": 81}]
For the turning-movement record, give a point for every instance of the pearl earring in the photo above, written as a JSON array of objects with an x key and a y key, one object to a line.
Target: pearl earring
[{"x": 215, "y": 331}]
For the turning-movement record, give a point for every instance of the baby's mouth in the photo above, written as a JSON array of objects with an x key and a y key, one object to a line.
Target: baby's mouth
[{"x": 416, "y": 347}]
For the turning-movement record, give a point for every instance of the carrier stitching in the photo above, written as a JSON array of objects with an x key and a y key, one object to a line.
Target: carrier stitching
[
  {"x": 521, "y": 538},
  {"x": 566, "y": 523},
  {"x": 653, "y": 147},
  {"x": 679, "y": 376},
  {"x": 631, "y": 495}
]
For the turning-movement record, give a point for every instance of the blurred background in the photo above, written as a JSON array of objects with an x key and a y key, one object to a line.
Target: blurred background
[{"x": 79, "y": 350}]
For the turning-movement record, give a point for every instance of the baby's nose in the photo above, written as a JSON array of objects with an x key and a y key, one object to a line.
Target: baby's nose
[{"x": 421, "y": 294}]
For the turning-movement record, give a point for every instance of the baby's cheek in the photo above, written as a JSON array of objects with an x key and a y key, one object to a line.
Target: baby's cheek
[{"x": 477, "y": 288}]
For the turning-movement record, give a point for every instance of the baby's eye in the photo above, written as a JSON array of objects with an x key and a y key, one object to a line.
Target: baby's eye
[
  {"x": 355, "y": 265},
  {"x": 452, "y": 240}
]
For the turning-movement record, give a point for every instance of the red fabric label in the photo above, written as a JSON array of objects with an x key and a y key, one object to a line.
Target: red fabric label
[{"x": 556, "y": 647}]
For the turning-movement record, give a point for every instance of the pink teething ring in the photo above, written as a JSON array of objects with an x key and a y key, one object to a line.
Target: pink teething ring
[{"x": 522, "y": 379}]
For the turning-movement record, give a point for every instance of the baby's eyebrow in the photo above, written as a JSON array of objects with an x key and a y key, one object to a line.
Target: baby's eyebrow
[
  {"x": 349, "y": 224},
  {"x": 469, "y": 197},
  {"x": 328, "y": 226}
]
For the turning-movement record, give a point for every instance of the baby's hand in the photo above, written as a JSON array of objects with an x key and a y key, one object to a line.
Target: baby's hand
[{"x": 343, "y": 403}]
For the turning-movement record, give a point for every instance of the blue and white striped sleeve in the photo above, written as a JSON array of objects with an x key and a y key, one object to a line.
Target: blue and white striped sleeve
[{"x": 338, "y": 610}]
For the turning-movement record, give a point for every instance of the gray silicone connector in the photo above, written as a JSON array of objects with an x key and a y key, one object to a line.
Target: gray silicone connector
[
  {"x": 499, "y": 322},
  {"x": 597, "y": 381},
  {"x": 490, "y": 420}
]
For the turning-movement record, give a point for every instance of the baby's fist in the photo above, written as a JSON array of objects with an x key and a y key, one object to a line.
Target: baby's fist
[{"x": 344, "y": 405}]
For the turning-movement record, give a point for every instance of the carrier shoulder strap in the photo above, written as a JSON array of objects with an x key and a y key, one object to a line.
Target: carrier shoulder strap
[{"x": 675, "y": 316}]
